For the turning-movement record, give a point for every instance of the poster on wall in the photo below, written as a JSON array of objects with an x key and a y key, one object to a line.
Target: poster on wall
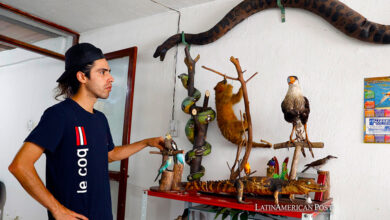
[{"x": 377, "y": 110}]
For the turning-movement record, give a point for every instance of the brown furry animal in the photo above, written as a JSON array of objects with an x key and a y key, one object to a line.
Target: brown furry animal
[{"x": 230, "y": 127}]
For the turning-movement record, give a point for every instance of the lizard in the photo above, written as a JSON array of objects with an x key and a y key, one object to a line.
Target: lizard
[{"x": 257, "y": 185}]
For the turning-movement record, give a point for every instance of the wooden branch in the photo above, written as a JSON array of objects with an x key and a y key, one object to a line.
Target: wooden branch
[
  {"x": 166, "y": 181},
  {"x": 190, "y": 63},
  {"x": 173, "y": 152},
  {"x": 224, "y": 75},
  {"x": 251, "y": 77},
  {"x": 177, "y": 174},
  {"x": 249, "y": 142},
  {"x": 302, "y": 144},
  {"x": 206, "y": 99}
]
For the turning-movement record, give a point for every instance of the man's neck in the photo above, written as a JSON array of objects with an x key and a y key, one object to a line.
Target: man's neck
[{"x": 84, "y": 101}]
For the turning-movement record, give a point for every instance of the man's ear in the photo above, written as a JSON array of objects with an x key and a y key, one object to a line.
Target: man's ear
[{"x": 81, "y": 77}]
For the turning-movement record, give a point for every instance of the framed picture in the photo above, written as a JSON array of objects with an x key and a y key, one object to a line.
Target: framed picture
[{"x": 377, "y": 110}]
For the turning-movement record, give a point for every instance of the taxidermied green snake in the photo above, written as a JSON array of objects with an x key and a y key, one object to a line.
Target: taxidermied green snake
[{"x": 203, "y": 116}]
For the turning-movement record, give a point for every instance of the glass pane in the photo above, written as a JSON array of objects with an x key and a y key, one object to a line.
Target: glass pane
[{"x": 114, "y": 106}]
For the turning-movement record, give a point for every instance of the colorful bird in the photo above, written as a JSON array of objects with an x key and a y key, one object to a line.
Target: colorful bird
[
  {"x": 318, "y": 164},
  {"x": 170, "y": 144},
  {"x": 296, "y": 110},
  {"x": 180, "y": 158},
  {"x": 247, "y": 168},
  {"x": 163, "y": 167},
  {"x": 284, "y": 174}
]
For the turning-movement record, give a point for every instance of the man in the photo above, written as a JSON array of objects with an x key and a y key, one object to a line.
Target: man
[{"x": 77, "y": 142}]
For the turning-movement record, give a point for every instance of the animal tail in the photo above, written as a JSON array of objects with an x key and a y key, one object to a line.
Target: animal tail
[
  {"x": 305, "y": 169},
  {"x": 226, "y": 186}
]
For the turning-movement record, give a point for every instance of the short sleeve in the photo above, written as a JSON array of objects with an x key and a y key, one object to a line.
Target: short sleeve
[
  {"x": 49, "y": 131},
  {"x": 110, "y": 144}
]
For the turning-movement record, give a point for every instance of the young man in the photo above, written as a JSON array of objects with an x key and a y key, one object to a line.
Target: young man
[{"x": 77, "y": 142}]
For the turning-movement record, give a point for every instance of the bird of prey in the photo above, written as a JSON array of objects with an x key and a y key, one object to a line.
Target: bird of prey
[
  {"x": 163, "y": 167},
  {"x": 296, "y": 110},
  {"x": 318, "y": 164}
]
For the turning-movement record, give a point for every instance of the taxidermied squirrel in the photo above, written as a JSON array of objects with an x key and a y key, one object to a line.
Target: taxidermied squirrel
[{"x": 231, "y": 128}]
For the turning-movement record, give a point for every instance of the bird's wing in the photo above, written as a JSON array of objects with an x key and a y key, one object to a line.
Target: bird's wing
[
  {"x": 284, "y": 108},
  {"x": 384, "y": 99},
  {"x": 304, "y": 115},
  {"x": 174, "y": 145},
  {"x": 315, "y": 163}
]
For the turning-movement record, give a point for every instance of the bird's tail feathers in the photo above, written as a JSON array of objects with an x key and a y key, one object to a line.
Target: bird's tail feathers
[
  {"x": 157, "y": 176},
  {"x": 305, "y": 169}
]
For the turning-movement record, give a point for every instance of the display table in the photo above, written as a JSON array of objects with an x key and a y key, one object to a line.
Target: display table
[{"x": 265, "y": 204}]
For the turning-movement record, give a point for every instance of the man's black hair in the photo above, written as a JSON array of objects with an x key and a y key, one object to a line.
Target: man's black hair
[{"x": 69, "y": 86}]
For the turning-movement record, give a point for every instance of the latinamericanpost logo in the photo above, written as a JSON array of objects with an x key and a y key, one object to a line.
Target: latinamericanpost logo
[
  {"x": 292, "y": 207},
  {"x": 82, "y": 150}
]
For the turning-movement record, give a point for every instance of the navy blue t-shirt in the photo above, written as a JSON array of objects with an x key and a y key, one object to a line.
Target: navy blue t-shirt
[{"x": 76, "y": 144}]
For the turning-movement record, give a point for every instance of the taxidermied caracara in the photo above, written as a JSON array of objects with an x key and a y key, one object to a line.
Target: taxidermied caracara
[{"x": 296, "y": 110}]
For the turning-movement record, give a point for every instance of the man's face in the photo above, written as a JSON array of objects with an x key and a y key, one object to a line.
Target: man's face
[{"x": 100, "y": 81}]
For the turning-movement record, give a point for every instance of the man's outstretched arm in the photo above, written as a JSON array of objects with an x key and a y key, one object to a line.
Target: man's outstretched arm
[
  {"x": 22, "y": 167},
  {"x": 125, "y": 151}
]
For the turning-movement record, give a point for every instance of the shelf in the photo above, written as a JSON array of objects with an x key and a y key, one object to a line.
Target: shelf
[{"x": 263, "y": 204}]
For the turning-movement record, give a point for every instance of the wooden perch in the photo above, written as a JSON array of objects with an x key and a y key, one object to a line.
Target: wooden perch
[
  {"x": 302, "y": 144},
  {"x": 234, "y": 174},
  {"x": 169, "y": 154},
  {"x": 298, "y": 148}
]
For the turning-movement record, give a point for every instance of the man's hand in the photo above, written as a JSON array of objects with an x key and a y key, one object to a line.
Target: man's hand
[
  {"x": 62, "y": 213},
  {"x": 157, "y": 142}
]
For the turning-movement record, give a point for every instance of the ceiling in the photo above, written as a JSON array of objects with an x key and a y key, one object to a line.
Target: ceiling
[{"x": 84, "y": 15}]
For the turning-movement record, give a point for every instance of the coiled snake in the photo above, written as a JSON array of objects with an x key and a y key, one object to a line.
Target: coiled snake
[{"x": 202, "y": 116}]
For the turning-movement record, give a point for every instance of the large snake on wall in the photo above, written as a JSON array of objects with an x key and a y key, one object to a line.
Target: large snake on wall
[{"x": 335, "y": 12}]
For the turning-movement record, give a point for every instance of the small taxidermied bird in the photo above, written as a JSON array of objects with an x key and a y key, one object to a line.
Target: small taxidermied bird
[
  {"x": 163, "y": 167},
  {"x": 296, "y": 110},
  {"x": 180, "y": 158},
  {"x": 170, "y": 144},
  {"x": 247, "y": 168},
  {"x": 318, "y": 164}
]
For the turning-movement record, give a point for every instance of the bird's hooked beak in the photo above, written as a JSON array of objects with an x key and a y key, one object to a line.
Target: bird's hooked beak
[{"x": 291, "y": 80}]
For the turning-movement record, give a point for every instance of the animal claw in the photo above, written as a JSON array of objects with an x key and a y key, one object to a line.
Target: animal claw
[{"x": 310, "y": 147}]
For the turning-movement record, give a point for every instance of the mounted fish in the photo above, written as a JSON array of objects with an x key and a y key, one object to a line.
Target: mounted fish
[
  {"x": 335, "y": 12},
  {"x": 196, "y": 127}
]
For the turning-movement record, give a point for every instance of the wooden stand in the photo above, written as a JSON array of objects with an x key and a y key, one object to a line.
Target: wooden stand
[
  {"x": 298, "y": 148},
  {"x": 166, "y": 181},
  {"x": 177, "y": 174},
  {"x": 323, "y": 177}
]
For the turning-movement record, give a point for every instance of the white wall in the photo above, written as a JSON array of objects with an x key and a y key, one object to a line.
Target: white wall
[{"x": 330, "y": 66}]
